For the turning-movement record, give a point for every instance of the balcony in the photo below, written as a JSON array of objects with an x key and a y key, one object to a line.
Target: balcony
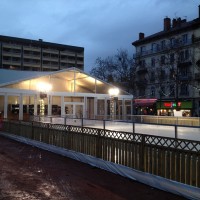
[
  {"x": 80, "y": 55},
  {"x": 185, "y": 77},
  {"x": 11, "y": 46},
  {"x": 31, "y": 48},
  {"x": 197, "y": 76},
  {"x": 141, "y": 82},
  {"x": 160, "y": 49},
  {"x": 152, "y": 79},
  {"x": 80, "y": 62},
  {"x": 50, "y": 66},
  {"x": 67, "y": 53},
  {"x": 184, "y": 93},
  {"x": 12, "y": 62},
  {"x": 11, "y": 54},
  {"x": 54, "y": 51},
  {"x": 196, "y": 39},
  {"x": 49, "y": 58},
  {"x": 141, "y": 69},
  {"x": 31, "y": 64},
  {"x": 71, "y": 61},
  {"x": 32, "y": 56},
  {"x": 184, "y": 63}
]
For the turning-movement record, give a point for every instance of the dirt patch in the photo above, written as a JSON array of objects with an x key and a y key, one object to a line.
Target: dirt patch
[{"x": 30, "y": 173}]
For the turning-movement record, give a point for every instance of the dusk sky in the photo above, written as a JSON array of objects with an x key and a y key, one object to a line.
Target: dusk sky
[{"x": 101, "y": 27}]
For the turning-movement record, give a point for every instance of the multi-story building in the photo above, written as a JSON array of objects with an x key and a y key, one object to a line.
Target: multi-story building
[
  {"x": 168, "y": 69},
  {"x": 38, "y": 55}
]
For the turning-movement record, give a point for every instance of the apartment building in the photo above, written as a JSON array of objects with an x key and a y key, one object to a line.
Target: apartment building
[
  {"x": 168, "y": 69},
  {"x": 38, "y": 55}
]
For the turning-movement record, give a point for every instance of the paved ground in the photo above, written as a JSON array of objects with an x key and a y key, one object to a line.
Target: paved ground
[{"x": 30, "y": 173}]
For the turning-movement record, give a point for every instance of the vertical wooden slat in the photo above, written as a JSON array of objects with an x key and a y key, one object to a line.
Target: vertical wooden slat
[{"x": 145, "y": 153}]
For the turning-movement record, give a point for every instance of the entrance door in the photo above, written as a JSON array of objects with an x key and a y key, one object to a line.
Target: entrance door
[
  {"x": 74, "y": 109},
  {"x": 79, "y": 111}
]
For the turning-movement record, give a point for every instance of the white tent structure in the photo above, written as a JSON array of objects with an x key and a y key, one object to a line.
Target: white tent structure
[{"x": 65, "y": 92}]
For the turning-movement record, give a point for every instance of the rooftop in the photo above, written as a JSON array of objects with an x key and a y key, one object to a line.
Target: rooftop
[{"x": 177, "y": 26}]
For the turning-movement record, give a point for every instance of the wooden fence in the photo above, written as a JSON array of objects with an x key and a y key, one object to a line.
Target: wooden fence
[{"x": 174, "y": 159}]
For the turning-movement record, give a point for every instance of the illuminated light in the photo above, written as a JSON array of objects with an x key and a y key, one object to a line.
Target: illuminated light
[
  {"x": 171, "y": 104},
  {"x": 168, "y": 104},
  {"x": 44, "y": 87},
  {"x": 174, "y": 104},
  {"x": 113, "y": 91}
]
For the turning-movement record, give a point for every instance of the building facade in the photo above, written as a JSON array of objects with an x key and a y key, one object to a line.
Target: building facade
[
  {"x": 37, "y": 55},
  {"x": 168, "y": 68}
]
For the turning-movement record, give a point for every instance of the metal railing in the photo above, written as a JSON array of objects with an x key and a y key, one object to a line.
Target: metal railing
[
  {"x": 159, "y": 48},
  {"x": 174, "y": 127}
]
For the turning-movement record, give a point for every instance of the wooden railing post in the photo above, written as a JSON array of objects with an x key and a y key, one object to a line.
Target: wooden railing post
[
  {"x": 99, "y": 144},
  {"x": 142, "y": 153},
  {"x": 133, "y": 127},
  {"x": 32, "y": 131},
  {"x": 20, "y": 129},
  {"x": 82, "y": 125},
  {"x": 104, "y": 126}
]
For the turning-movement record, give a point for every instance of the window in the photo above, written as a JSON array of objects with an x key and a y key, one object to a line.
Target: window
[
  {"x": 181, "y": 56},
  {"x": 184, "y": 38},
  {"x": 184, "y": 89},
  {"x": 186, "y": 54},
  {"x": 153, "y": 91},
  {"x": 162, "y": 75},
  {"x": 172, "y": 42},
  {"x": 152, "y": 77},
  {"x": 142, "y": 92},
  {"x": 154, "y": 47},
  {"x": 163, "y": 44},
  {"x": 172, "y": 58},
  {"x": 162, "y": 91},
  {"x": 142, "y": 63},
  {"x": 184, "y": 71},
  {"x": 171, "y": 90},
  {"x": 143, "y": 49},
  {"x": 172, "y": 74},
  {"x": 162, "y": 60},
  {"x": 153, "y": 62}
]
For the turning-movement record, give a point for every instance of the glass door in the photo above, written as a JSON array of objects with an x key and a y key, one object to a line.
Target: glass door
[{"x": 74, "y": 110}]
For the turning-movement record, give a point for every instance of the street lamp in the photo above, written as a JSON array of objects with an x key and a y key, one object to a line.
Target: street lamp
[
  {"x": 43, "y": 88},
  {"x": 113, "y": 92}
]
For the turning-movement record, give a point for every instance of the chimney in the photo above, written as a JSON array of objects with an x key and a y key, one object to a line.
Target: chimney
[
  {"x": 174, "y": 23},
  {"x": 199, "y": 11},
  {"x": 141, "y": 36},
  {"x": 183, "y": 21},
  {"x": 179, "y": 21},
  {"x": 167, "y": 23}
]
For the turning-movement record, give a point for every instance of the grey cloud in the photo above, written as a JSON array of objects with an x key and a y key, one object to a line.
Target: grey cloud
[{"x": 101, "y": 27}]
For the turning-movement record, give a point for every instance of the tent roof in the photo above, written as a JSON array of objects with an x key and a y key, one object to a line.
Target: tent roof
[{"x": 85, "y": 82}]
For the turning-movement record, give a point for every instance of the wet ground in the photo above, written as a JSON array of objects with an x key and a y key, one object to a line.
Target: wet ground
[{"x": 29, "y": 173}]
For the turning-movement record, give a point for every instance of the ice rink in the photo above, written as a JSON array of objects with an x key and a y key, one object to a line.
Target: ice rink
[{"x": 189, "y": 133}]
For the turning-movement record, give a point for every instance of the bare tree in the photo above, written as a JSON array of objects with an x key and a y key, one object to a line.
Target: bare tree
[
  {"x": 103, "y": 69},
  {"x": 118, "y": 70}
]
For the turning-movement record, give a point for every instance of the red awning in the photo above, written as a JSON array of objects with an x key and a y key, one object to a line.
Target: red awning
[{"x": 144, "y": 102}]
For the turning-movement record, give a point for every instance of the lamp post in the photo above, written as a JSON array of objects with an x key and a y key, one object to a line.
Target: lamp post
[
  {"x": 43, "y": 88},
  {"x": 113, "y": 92}
]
